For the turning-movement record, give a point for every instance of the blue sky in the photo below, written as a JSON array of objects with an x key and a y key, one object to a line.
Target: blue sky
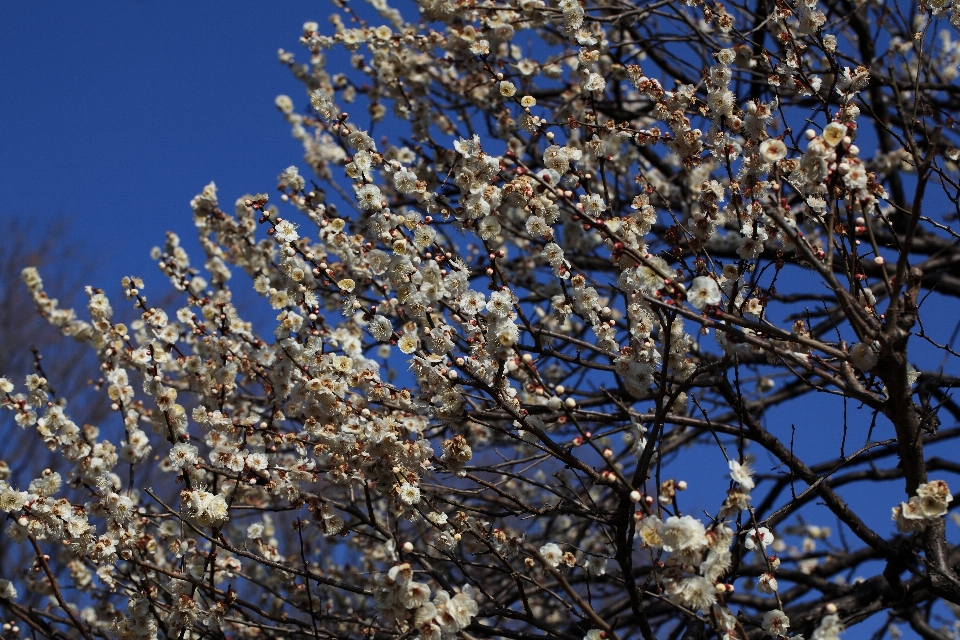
[{"x": 115, "y": 114}]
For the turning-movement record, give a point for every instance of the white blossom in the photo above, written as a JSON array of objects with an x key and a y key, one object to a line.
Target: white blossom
[
  {"x": 776, "y": 623},
  {"x": 409, "y": 494},
  {"x": 758, "y": 539},
  {"x": 742, "y": 474},
  {"x": 703, "y": 292},
  {"x": 829, "y": 628},
  {"x": 773, "y": 150},
  {"x": 551, "y": 553},
  {"x": 864, "y": 356}
]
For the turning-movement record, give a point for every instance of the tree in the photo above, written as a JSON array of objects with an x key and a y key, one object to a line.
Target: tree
[
  {"x": 25, "y": 338},
  {"x": 539, "y": 345}
]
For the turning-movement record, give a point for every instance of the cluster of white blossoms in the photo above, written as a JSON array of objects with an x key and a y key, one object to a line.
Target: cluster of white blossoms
[
  {"x": 930, "y": 503},
  {"x": 700, "y": 557},
  {"x": 442, "y": 617},
  {"x": 204, "y": 508},
  {"x": 699, "y": 560}
]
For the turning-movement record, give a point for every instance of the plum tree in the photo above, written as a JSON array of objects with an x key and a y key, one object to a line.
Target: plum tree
[{"x": 593, "y": 320}]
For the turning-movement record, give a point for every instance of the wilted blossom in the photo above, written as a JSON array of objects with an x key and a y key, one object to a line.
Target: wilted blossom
[{"x": 931, "y": 501}]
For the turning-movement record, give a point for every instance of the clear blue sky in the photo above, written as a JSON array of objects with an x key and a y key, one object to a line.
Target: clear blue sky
[{"x": 115, "y": 114}]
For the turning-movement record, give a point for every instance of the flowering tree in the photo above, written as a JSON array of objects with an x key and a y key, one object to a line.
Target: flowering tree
[
  {"x": 23, "y": 333},
  {"x": 536, "y": 346}
]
